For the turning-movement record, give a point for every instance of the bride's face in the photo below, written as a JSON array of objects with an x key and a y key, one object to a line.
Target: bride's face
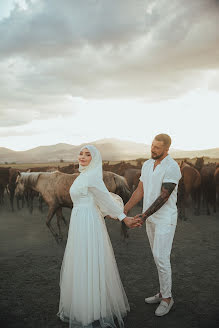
[{"x": 84, "y": 157}]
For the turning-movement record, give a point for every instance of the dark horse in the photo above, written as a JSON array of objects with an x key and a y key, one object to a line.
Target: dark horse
[{"x": 189, "y": 185}]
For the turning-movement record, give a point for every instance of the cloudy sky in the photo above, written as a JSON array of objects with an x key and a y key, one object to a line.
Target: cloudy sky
[{"x": 76, "y": 71}]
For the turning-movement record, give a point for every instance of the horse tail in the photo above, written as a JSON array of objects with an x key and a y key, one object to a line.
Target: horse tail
[{"x": 122, "y": 189}]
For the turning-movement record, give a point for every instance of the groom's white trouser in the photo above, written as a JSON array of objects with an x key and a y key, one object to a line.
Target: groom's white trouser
[{"x": 161, "y": 238}]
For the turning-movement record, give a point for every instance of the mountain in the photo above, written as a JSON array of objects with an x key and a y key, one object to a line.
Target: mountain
[{"x": 111, "y": 150}]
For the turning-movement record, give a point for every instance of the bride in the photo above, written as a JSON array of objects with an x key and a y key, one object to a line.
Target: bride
[{"x": 91, "y": 291}]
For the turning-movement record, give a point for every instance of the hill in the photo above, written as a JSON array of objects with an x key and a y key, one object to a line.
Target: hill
[{"x": 111, "y": 150}]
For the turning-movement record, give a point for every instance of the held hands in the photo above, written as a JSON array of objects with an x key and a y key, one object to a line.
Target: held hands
[
  {"x": 140, "y": 217},
  {"x": 132, "y": 222}
]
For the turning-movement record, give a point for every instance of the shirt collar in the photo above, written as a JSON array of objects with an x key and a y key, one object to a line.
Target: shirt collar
[{"x": 163, "y": 160}]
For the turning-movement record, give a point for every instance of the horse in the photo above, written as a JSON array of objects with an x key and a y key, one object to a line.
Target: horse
[
  {"x": 189, "y": 185},
  {"x": 54, "y": 188},
  {"x": 132, "y": 176},
  {"x": 216, "y": 181},
  {"x": 31, "y": 194},
  {"x": 199, "y": 163},
  {"x": 70, "y": 169},
  {"x": 8, "y": 177},
  {"x": 4, "y": 180},
  {"x": 119, "y": 168},
  {"x": 208, "y": 186}
]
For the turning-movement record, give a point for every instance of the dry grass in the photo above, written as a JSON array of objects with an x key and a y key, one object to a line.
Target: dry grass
[
  {"x": 133, "y": 162},
  {"x": 27, "y": 165}
]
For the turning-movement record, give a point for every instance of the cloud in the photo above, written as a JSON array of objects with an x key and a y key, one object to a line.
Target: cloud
[{"x": 53, "y": 51}]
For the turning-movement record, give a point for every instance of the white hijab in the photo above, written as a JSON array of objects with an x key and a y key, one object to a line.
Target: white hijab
[
  {"x": 95, "y": 165},
  {"x": 93, "y": 173},
  {"x": 92, "y": 176}
]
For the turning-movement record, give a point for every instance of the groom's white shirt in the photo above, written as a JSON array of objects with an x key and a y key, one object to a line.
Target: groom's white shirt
[{"x": 167, "y": 171}]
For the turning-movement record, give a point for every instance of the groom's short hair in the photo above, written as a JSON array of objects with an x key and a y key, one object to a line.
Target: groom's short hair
[{"x": 165, "y": 138}]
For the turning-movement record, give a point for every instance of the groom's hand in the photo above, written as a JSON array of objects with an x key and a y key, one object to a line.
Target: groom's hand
[
  {"x": 132, "y": 222},
  {"x": 126, "y": 209},
  {"x": 140, "y": 217}
]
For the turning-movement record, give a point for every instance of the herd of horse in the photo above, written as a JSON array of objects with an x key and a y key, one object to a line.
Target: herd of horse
[{"x": 199, "y": 184}]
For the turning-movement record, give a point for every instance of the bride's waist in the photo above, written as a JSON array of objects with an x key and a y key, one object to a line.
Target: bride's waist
[{"x": 83, "y": 203}]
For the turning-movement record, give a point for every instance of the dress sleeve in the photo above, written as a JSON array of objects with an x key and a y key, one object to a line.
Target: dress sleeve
[{"x": 108, "y": 203}]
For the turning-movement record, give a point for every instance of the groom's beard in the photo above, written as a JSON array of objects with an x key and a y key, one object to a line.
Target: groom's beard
[{"x": 154, "y": 156}]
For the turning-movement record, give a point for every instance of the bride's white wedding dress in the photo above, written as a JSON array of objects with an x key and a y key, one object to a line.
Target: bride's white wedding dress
[{"x": 90, "y": 285}]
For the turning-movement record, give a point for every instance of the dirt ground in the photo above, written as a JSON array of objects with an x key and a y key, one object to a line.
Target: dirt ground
[{"x": 31, "y": 261}]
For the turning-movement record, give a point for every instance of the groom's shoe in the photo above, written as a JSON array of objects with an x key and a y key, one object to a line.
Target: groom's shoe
[
  {"x": 153, "y": 299},
  {"x": 164, "y": 308}
]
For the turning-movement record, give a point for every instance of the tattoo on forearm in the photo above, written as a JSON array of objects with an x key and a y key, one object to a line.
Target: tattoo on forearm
[
  {"x": 169, "y": 186},
  {"x": 166, "y": 190}
]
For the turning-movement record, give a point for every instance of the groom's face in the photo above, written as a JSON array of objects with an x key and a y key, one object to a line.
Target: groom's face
[{"x": 158, "y": 149}]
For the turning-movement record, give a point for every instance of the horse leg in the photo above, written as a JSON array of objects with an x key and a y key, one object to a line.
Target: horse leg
[
  {"x": 64, "y": 220},
  {"x": 1, "y": 197},
  {"x": 40, "y": 203},
  {"x": 18, "y": 205},
  {"x": 179, "y": 207},
  {"x": 203, "y": 197},
  {"x": 182, "y": 198},
  {"x": 198, "y": 199},
  {"x": 193, "y": 196},
  {"x": 22, "y": 201},
  {"x": 217, "y": 197},
  {"x": 183, "y": 205},
  {"x": 184, "y": 211},
  {"x": 62, "y": 217},
  {"x": 50, "y": 215},
  {"x": 207, "y": 204},
  {"x": 59, "y": 217},
  {"x": 179, "y": 203},
  {"x": 214, "y": 200},
  {"x": 59, "y": 227},
  {"x": 31, "y": 203},
  {"x": 12, "y": 200},
  {"x": 26, "y": 196}
]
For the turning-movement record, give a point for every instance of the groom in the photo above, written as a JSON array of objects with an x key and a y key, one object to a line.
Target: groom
[{"x": 158, "y": 185}]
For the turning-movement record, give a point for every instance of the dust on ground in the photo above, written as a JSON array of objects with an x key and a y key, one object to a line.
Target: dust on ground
[{"x": 31, "y": 262}]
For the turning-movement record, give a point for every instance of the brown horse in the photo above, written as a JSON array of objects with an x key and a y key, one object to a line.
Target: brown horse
[
  {"x": 216, "y": 181},
  {"x": 70, "y": 169},
  {"x": 199, "y": 163},
  {"x": 118, "y": 168},
  {"x": 31, "y": 194},
  {"x": 8, "y": 177},
  {"x": 54, "y": 188},
  {"x": 4, "y": 180},
  {"x": 208, "y": 186},
  {"x": 189, "y": 185},
  {"x": 132, "y": 176}
]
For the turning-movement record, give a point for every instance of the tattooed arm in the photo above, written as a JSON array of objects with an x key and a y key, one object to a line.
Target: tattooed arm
[{"x": 166, "y": 190}]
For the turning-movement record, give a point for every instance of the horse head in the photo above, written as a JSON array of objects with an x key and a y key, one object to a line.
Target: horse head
[{"x": 19, "y": 185}]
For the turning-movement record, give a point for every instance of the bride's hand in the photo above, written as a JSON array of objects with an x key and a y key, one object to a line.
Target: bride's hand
[{"x": 132, "y": 222}]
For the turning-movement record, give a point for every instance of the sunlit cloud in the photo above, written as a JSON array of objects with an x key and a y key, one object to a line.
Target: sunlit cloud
[{"x": 76, "y": 71}]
